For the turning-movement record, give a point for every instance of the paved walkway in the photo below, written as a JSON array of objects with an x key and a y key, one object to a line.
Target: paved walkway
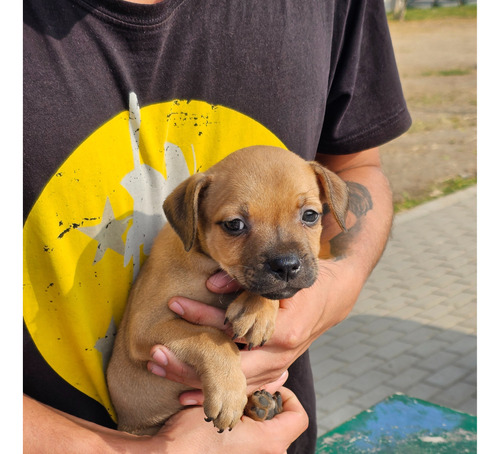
[{"x": 413, "y": 329}]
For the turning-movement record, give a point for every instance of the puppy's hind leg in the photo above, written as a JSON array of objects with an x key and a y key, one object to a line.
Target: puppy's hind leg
[{"x": 262, "y": 405}]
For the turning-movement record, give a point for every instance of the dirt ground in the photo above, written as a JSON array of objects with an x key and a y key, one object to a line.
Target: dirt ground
[{"x": 437, "y": 65}]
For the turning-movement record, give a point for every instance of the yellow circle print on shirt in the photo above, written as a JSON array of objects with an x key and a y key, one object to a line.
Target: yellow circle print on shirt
[{"x": 95, "y": 221}]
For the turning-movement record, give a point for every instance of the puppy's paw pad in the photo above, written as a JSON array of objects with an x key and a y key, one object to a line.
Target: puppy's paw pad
[{"x": 262, "y": 405}]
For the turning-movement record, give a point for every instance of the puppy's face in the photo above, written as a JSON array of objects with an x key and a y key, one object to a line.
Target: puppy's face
[
  {"x": 259, "y": 216},
  {"x": 263, "y": 227}
]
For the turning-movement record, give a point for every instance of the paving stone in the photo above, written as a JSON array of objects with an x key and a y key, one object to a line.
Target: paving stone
[
  {"x": 332, "y": 382},
  {"x": 435, "y": 272},
  {"x": 468, "y": 361},
  {"x": 437, "y": 361},
  {"x": 447, "y": 280},
  {"x": 408, "y": 378},
  {"x": 347, "y": 326},
  {"x": 421, "y": 291},
  {"x": 405, "y": 326},
  {"x": 338, "y": 417},
  {"x": 452, "y": 290},
  {"x": 436, "y": 312},
  {"x": 461, "y": 299},
  {"x": 336, "y": 399},
  {"x": 457, "y": 394},
  {"x": 423, "y": 391},
  {"x": 327, "y": 366},
  {"x": 383, "y": 338},
  {"x": 392, "y": 350},
  {"x": 429, "y": 301},
  {"x": 400, "y": 363},
  {"x": 421, "y": 334},
  {"x": 363, "y": 365},
  {"x": 446, "y": 376},
  {"x": 449, "y": 336},
  {"x": 469, "y": 406},
  {"x": 407, "y": 312},
  {"x": 449, "y": 321},
  {"x": 367, "y": 306},
  {"x": 374, "y": 396},
  {"x": 413, "y": 329},
  {"x": 468, "y": 326},
  {"x": 385, "y": 283},
  {"x": 355, "y": 352},
  {"x": 322, "y": 352},
  {"x": 379, "y": 312},
  {"x": 468, "y": 311},
  {"x": 464, "y": 345},
  {"x": 378, "y": 325},
  {"x": 367, "y": 382},
  {"x": 471, "y": 379},
  {"x": 350, "y": 339}
]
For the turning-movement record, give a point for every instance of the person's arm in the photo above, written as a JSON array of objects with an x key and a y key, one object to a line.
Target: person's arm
[
  {"x": 47, "y": 430},
  {"x": 348, "y": 259}
]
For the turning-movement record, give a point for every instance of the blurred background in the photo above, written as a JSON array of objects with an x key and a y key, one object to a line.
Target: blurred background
[
  {"x": 414, "y": 328},
  {"x": 435, "y": 46}
]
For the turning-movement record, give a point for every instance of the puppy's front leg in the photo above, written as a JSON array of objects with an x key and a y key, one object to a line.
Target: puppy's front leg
[
  {"x": 253, "y": 317},
  {"x": 217, "y": 361}
]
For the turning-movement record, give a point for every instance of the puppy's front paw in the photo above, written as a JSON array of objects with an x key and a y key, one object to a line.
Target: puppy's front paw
[
  {"x": 262, "y": 405},
  {"x": 252, "y": 317},
  {"x": 225, "y": 401}
]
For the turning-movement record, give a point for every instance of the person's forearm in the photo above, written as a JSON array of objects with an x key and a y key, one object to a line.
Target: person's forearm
[
  {"x": 351, "y": 256},
  {"x": 46, "y": 430}
]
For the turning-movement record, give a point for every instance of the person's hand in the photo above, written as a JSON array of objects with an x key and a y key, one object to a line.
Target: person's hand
[
  {"x": 165, "y": 364},
  {"x": 248, "y": 436},
  {"x": 300, "y": 321},
  {"x": 47, "y": 430}
]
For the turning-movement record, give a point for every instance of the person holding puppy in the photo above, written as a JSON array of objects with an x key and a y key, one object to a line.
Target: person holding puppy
[{"x": 125, "y": 100}]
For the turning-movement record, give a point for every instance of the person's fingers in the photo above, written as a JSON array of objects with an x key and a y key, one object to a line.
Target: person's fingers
[
  {"x": 294, "y": 416},
  {"x": 276, "y": 385},
  {"x": 165, "y": 364},
  {"x": 198, "y": 313},
  {"x": 290, "y": 401},
  {"x": 190, "y": 398},
  {"x": 263, "y": 365},
  {"x": 222, "y": 283}
]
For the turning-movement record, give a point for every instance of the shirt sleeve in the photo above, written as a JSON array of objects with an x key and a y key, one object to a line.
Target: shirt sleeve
[{"x": 365, "y": 107}]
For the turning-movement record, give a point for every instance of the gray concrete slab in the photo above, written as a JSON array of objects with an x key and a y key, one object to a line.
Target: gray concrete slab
[{"x": 413, "y": 329}]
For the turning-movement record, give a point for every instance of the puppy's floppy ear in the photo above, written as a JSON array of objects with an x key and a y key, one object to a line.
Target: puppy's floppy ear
[
  {"x": 335, "y": 191},
  {"x": 181, "y": 207}
]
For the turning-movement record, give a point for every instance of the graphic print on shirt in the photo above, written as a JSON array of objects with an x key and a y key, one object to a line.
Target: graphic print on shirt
[{"x": 94, "y": 223}]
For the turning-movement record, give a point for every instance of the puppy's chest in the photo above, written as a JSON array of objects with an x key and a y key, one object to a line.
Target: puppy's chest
[{"x": 221, "y": 301}]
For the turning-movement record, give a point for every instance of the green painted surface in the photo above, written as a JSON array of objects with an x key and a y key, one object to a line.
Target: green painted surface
[{"x": 403, "y": 425}]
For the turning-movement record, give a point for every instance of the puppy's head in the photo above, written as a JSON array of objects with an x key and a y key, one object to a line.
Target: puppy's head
[{"x": 258, "y": 214}]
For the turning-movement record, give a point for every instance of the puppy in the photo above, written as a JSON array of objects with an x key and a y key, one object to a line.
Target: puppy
[{"x": 256, "y": 215}]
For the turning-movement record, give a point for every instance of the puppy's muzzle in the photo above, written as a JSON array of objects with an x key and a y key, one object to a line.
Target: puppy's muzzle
[
  {"x": 281, "y": 276},
  {"x": 284, "y": 268}
]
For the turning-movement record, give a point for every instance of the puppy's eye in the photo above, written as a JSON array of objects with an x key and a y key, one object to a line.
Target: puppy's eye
[
  {"x": 310, "y": 217},
  {"x": 234, "y": 226}
]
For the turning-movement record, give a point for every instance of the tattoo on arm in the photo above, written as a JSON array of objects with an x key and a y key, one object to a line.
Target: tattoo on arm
[{"x": 360, "y": 202}]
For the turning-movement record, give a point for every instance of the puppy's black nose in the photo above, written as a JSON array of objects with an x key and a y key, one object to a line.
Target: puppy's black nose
[{"x": 284, "y": 267}]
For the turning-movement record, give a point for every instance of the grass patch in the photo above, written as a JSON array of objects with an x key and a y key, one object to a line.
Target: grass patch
[
  {"x": 465, "y": 12},
  {"x": 447, "y": 72},
  {"x": 436, "y": 191},
  {"x": 442, "y": 122}
]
